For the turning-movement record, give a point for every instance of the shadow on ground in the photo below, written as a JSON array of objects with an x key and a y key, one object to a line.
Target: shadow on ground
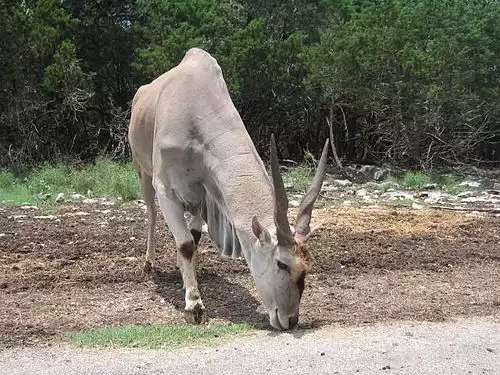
[{"x": 222, "y": 298}]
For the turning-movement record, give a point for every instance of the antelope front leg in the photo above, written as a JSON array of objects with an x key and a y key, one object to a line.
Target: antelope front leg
[
  {"x": 194, "y": 310},
  {"x": 173, "y": 212}
]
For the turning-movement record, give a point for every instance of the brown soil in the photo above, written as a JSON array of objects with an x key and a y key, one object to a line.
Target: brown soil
[{"x": 84, "y": 269}]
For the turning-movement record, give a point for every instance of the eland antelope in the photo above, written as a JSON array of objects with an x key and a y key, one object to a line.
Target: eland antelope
[{"x": 192, "y": 151}]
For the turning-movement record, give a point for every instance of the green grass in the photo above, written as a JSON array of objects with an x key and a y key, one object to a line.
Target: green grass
[
  {"x": 299, "y": 176},
  {"x": 41, "y": 185},
  {"x": 417, "y": 180},
  {"x": 157, "y": 336}
]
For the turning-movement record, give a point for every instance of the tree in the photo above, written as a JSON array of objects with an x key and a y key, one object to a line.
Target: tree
[{"x": 417, "y": 81}]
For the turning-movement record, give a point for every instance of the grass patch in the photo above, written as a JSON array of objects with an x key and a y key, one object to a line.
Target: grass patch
[
  {"x": 417, "y": 180},
  {"x": 41, "y": 185},
  {"x": 157, "y": 336},
  {"x": 299, "y": 177}
]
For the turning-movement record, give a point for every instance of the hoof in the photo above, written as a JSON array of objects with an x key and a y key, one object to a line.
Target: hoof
[
  {"x": 197, "y": 315},
  {"x": 148, "y": 267}
]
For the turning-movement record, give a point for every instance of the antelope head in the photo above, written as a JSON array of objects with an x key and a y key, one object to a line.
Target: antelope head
[{"x": 282, "y": 259}]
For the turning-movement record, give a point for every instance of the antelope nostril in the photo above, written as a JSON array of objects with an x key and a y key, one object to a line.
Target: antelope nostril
[{"x": 292, "y": 322}]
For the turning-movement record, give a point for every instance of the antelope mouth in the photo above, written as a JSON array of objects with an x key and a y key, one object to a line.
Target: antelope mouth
[{"x": 275, "y": 321}]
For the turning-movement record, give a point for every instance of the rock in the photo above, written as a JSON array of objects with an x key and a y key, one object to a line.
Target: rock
[
  {"x": 393, "y": 195},
  {"x": 370, "y": 172},
  {"x": 60, "y": 197},
  {"x": 472, "y": 184},
  {"x": 368, "y": 200},
  {"x": 347, "y": 203},
  {"x": 45, "y": 217},
  {"x": 466, "y": 194},
  {"x": 29, "y": 207},
  {"x": 429, "y": 187},
  {"x": 433, "y": 196},
  {"x": 475, "y": 200},
  {"x": 90, "y": 201},
  {"x": 362, "y": 193},
  {"x": 77, "y": 197},
  {"x": 496, "y": 186},
  {"x": 294, "y": 203},
  {"x": 107, "y": 202},
  {"x": 417, "y": 206},
  {"x": 381, "y": 174},
  {"x": 368, "y": 169},
  {"x": 16, "y": 217},
  {"x": 329, "y": 188},
  {"x": 342, "y": 182},
  {"x": 372, "y": 185}
]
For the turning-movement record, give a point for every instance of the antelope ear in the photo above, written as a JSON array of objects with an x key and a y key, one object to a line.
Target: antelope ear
[{"x": 260, "y": 232}]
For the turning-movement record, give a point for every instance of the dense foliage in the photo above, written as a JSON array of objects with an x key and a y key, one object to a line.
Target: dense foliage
[{"x": 415, "y": 83}]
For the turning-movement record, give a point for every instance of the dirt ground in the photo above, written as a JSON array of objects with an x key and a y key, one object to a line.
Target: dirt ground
[{"x": 82, "y": 268}]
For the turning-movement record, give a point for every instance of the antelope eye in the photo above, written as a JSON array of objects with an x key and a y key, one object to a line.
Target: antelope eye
[{"x": 283, "y": 266}]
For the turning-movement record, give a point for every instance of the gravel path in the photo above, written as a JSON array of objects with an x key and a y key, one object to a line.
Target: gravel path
[{"x": 460, "y": 346}]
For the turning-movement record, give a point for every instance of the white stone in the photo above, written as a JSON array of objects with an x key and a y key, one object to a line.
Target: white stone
[
  {"x": 475, "y": 200},
  {"x": 433, "y": 197},
  {"x": 429, "y": 186},
  {"x": 466, "y": 194},
  {"x": 342, "y": 182},
  {"x": 27, "y": 207},
  {"x": 393, "y": 195},
  {"x": 362, "y": 193},
  {"x": 473, "y": 184},
  {"x": 45, "y": 217},
  {"x": 16, "y": 217}
]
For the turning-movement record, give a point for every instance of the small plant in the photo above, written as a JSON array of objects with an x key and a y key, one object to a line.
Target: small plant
[
  {"x": 415, "y": 179},
  {"x": 299, "y": 177},
  {"x": 418, "y": 180}
]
